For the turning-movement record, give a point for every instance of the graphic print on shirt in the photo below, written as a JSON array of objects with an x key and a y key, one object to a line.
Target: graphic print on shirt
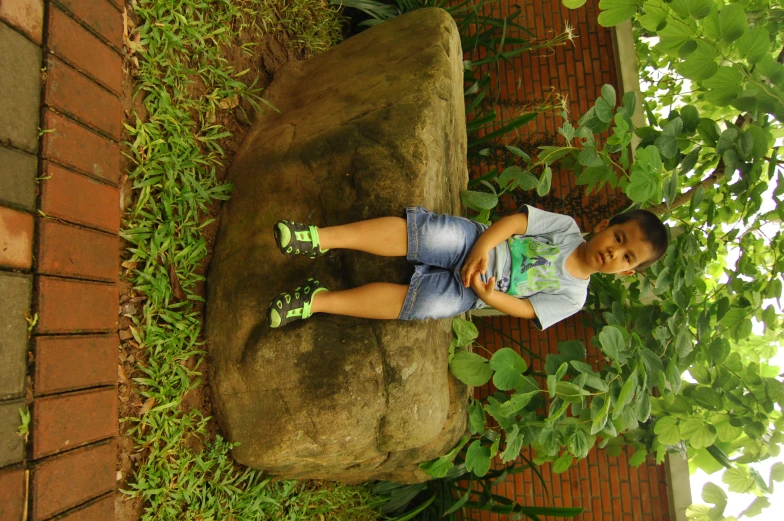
[{"x": 533, "y": 266}]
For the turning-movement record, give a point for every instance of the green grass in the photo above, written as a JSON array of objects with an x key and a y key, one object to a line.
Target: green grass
[
  {"x": 176, "y": 151},
  {"x": 312, "y": 25}
]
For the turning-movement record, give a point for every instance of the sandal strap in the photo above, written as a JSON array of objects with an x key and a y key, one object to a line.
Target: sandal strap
[
  {"x": 304, "y": 239},
  {"x": 297, "y": 305}
]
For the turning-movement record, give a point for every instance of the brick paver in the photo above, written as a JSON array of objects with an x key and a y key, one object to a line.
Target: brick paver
[
  {"x": 79, "y": 199},
  {"x": 11, "y": 444},
  {"x": 101, "y": 509},
  {"x": 100, "y": 16},
  {"x": 65, "y": 481},
  {"x": 67, "y": 363},
  {"x": 20, "y": 64},
  {"x": 71, "y": 306},
  {"x": 12, "y": 494},
  {"x": 69, "y": 251},
  {"x": 17, "y": 178},
  {"x": 73, "y": 145},
  {"x": 80, "y": 97},
  {"x": 16, "y": 239},
  {"x": 64, "y": 421},
  {"x": 26, "y": 15},
  {"x": 77, "y": 46},
  {"x": 15, "y": 296}
]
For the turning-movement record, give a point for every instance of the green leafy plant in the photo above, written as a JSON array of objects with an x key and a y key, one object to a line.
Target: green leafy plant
[
  {"x": 23, "y": 430},
  {"x": 184, "y": 81}
]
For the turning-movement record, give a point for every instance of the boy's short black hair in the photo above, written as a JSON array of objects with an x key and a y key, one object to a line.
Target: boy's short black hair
[{"x": 653, "y": 230}]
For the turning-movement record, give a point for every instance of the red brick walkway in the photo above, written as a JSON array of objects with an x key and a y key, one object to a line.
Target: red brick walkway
[{"x": 59, "y": 220}]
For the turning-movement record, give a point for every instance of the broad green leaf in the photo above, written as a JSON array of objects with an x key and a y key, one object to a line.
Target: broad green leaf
[
  {"x": 508, "y": 367},
  {"x": 699, "y": 9},
  {"x": 437, "y": 468},
  {"x": 476, "y": 418},
  {"x": 550, "y": 154},
  {"x": 667, "y": 430},
  {"x": 673, "y": 36},
  {"x": 517, "y": 402},
  {"x": 696, "y": 199},
  {"x": 756, "y": 507},
  {"x": 465, "y": 331},
  {"x": 569, "y": 392},
  {"x": 733, "y": 317},
  {"x": 527, "y": 181},
  {"x": 544, "y": 182},
  {"x": 771, "y": 69},
  {"x": 762, "y": 141},
  {"x": 470, "y": 368},
  {"x": 613, "y": 344},
  {"x": 600, "y": 420},
  {"x": 639, "y": 457},
  {"x": 777, "y": 472},
  {"x": 642, "y": 186},
  {"x": 608, "y": 94},
  {"x": 642, "y": 409},
  {"x": 589, "y": 157},
  {"x": 738, "y": 479},
  {"x": 701, "y": 63},
  {"x": 519, "y": 153},
  {"x": 604, "y": 111},
  {"x": 563, "y": 463},
  {"x": 479, "y": 200},
  {"x": 630, "y": 102},
  {"x": 707, "y": 397},
  {"x": 514, "y": 442},
  {"x": 698, "y": 513},
  {"x": 732, "y": 22},
  {"x": 626, "y": 394},
  {"x": 725, "y": 431},
  {"x": 655, "y": 15},
  {"x": 724, "y": 86},
  {"x": 578, "y": 445},
  {"x": 715, "y": 495},
  {"x": 478, "y": 458},
  {"x": 691, "y": 118},
  {"x": 573, "y": 4},
  {"x": 615, "y": 11},
  {"x": 755, "y": 44},
  {"x": 509, "y": 174}
]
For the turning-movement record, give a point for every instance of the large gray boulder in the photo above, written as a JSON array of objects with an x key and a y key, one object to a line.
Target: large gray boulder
[{"x": 370, "y": 127}]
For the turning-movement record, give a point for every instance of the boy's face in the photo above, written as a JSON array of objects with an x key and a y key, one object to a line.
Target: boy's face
[{"x": 618, "y": 248}]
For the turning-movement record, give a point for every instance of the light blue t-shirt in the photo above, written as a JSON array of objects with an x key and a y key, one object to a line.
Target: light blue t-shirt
[{"x": 533, "y": 266}]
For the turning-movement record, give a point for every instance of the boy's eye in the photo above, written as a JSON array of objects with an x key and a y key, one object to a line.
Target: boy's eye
[{"x": 617, "y": 238}]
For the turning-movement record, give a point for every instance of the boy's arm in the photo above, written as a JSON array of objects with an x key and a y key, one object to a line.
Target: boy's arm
[
  {"x": 476, "y": 261},
  {"x": 512, "y": 306}
]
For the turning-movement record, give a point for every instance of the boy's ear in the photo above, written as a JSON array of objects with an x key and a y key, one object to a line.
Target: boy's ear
[{"x": 601, "y": 226}]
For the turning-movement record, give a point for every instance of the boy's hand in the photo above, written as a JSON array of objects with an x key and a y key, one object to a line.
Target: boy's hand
[
  {"x": 476, "y": 263},
  {"x": 482, "y": 290}
]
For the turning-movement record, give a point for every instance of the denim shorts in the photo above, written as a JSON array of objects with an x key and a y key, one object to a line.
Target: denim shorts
[{"x": 438, "y": 246}]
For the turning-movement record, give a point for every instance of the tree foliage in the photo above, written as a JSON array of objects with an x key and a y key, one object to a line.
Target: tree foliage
[{"x": 706, "y": 160}]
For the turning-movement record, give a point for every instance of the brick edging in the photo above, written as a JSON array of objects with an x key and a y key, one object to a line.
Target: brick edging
[{"x": 59, "y": 225}]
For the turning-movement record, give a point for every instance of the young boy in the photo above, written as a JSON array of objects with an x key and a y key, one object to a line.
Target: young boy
[{"x": 534, "y": 264}]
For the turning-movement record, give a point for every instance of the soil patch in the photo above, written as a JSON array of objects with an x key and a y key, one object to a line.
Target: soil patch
[{"x": 270, "y": 52}]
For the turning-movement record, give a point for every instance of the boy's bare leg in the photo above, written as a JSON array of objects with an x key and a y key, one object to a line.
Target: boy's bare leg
[
  {"x": 382, "y": 300},
  {"x": 385, "y": 236}
]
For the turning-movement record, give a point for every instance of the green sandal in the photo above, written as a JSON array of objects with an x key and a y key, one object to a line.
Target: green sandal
[
  {"x": 295, "y": 238},
  {"x": 287, "y": 307}
]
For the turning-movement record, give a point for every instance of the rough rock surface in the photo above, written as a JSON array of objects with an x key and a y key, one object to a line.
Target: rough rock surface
[{"x": 370, "y": 127}]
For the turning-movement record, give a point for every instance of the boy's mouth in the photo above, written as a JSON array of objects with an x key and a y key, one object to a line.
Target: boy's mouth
[{"x": 601, "y": 258}]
